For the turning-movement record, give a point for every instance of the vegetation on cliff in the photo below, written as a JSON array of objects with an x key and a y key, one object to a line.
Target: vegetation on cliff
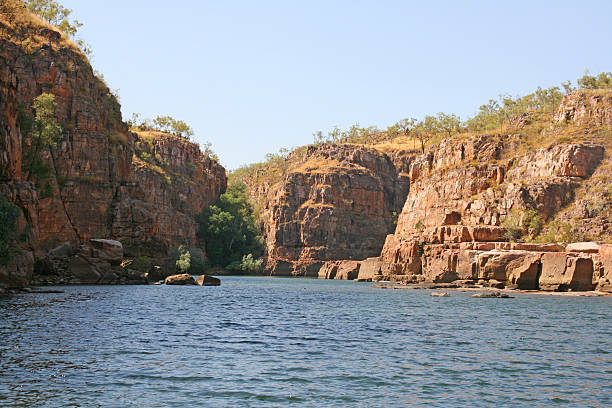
[
  {"x": 22, "y": 15},
  {"x": 9, "y": 213},
  {"x": 230, "y": 231},
  {"x": 39, "y": 133}
]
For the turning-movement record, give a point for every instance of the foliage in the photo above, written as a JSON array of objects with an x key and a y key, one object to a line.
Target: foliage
[
  {"x": 9, "y": 213},
  {"x": 601, "y": 81},
  {"x": 42, "y": 132},
  {"x": 229, "y": 228},
  {"x": 522, "y": 224},
  {"x": 184, "y": 262},
  {"x": 251, "y": 265},
  {"x": 162, "y": 124},
  {"x": 55, "y": 14}
]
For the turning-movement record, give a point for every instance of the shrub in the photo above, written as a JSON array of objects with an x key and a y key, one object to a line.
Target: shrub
[
  {"x": 9, "y": 213},
  {"x": 229, "y": 228}
]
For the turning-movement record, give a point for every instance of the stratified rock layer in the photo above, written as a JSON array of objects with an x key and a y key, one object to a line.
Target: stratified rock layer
[
  {"x": 100, "y": 185},
  {"x": 339, "y": 202}
]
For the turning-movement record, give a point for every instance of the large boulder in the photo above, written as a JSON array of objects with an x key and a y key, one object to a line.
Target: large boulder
[
  {"x": 586, "y": 247},
  {"x": 108, "y": 250},
  {"x": 181, "y": 279},
  {"x": 493, "y": 264},
  {"x": 523, "y": 272},
  {"x": 562, "y": 271},
  {"x": 369, "y": 268},
  {"x": 64, "y": 250},
  {"x": 206, "y": 280},
  {"x": 348, "y": 270}
]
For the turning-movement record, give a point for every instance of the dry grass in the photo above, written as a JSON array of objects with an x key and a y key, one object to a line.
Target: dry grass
[{"x": 25, "y": 31}]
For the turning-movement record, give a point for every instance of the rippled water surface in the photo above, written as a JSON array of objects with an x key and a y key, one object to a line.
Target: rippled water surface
[{"x": 279, "y": 342}]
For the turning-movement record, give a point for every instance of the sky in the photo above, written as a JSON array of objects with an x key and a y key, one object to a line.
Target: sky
[{"x": 252, "y": 77}]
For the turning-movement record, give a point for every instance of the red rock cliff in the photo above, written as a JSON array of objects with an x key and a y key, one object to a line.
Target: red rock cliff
[{"x": 101, "y": 188}]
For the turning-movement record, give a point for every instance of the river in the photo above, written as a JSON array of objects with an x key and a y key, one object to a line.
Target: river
[{"x": 301, "y": 342}]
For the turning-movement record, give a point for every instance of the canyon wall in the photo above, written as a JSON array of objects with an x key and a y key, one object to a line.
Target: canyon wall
[
  {"x": 336, "y": 202},
  {"x": 101, "y": 184}
]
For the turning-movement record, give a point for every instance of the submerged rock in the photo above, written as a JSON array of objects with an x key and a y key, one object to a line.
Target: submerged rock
[
  {"x": 182, "y": 279},
  {"x": 205, "y": 280},
  {"x": 492, "y": 294}
]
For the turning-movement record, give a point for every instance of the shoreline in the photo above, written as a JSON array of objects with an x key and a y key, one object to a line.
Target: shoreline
[{"x": 450, "y": 287}]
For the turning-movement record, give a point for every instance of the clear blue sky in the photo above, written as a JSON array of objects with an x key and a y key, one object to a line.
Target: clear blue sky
[{"x": 254, "y": 76}]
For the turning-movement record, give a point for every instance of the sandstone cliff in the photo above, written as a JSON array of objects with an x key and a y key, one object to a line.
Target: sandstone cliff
[
  {"x": 100, "y": 185},
  {"x": 336, "y": 202},
  {"x": 465, "y": 191},
  {"x": 458, "y": 204}
]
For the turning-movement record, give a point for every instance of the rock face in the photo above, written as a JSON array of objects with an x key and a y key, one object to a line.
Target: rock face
[
  {"x": 337, "y": 203},
  {"x": 453, "y": 224},
  {"x": 100, "y": 185}
]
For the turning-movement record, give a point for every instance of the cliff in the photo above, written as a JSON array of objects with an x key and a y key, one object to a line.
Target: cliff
[
  {"x": 99, "y": 186},
  {"x": 545, "y": 178},
  {"x": 335, "y": 202},
  {"x": 469, "y": 195}
]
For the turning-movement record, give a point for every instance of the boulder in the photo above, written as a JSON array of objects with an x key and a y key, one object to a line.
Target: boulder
[
  {"x": 523, "y": 272},
  {"x": 87, "y": 270},
  {"x": 562, "y": 271},
  {"x": 206, "y": 280},
  {"x": 493, "y": 264},
  {"x": 348, "y": 270},
  {"x": 586, "y": 247},
  {"x": 439, "y": 294},
  {"x": 181, "y": 279},
  {"x": 65, "y": 250},
  {"x": 328, "y": 270},
  {"x": 108, "y": 250},
  {"x": 369, "y": 268}
]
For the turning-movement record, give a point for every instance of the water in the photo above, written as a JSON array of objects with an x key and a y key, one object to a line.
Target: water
[{"x": 293, "y": 342}]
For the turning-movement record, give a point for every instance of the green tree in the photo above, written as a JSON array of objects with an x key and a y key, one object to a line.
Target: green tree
[
  {"x": 602, "y": 81},
  {"x": 229, "y": 228},
  {"x": 55, "y": 14},
  {"x": 43, "y": 132},
  {"x": 448, "y": 123},
  {"x": 183, "y": 264},
  {"x": 9, "y": 213}
]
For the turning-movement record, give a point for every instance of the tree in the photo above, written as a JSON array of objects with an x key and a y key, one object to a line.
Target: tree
[
  {"x": 422, "y": 135},
  {"x": 55, "y": 14},
  {"x": 184, "y": 262},
  {"x": 449, "y": 123},
  {"x": 43, "y": 131},
  {"x": 602, "y": 81},
  {"x": 229, "y": 228},
  {"x": 9, "y": 213}
]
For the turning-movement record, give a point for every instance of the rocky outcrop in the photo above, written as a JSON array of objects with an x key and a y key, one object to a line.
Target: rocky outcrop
[
  {"x": 339, "y": 202},
  {"x": 105, "y": 181},
  {"x": 181, "y": 279},
  {"x": 206, "y": 280},
  {"x": 100, "y": 261},
  {"x": 588, "y": 107}
]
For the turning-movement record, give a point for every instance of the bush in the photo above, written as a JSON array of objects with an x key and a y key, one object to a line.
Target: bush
[
  {"x": 9, "y": 213},
  {"x": 521, "y": 223},
  {"x": 229, "y": 228}
]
